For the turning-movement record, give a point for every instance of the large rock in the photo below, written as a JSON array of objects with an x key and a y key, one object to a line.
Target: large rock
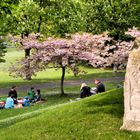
[{"x": 131, "y": 119}]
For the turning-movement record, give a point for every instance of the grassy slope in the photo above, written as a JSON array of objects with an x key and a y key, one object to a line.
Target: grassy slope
[
  {"x": 97, "y": 117},
  {"x": 53, "y": 98}
]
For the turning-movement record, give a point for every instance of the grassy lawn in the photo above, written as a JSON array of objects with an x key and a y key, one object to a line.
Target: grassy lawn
[
  {"x": 52, "y": 94},
  {"x": 97, "y": 117},
  {"x": 53, "y": 98}
]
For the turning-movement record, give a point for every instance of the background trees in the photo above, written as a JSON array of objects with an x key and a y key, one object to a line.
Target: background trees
[
  {"x": 6, "y": 7},
  {"x": 52, "y": 18},
  {"x": 65, "y": 17},
  {"x": 59, "y": 18},
  {"x": 115, "y": 16}
]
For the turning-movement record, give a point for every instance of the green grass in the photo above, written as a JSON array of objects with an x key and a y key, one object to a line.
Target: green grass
[
  {"x": 98, "y": 117},
  {"x": 53, "y": 98},
  {"x": 90, "y": 118}
]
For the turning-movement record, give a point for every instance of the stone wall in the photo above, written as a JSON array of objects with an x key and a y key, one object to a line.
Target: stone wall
[{"x": 131, "y": 120}]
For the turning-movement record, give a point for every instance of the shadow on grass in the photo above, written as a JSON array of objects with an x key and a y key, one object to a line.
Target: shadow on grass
[
  {"x": 87, "y": 76},
  {"x": 58, "y": 96},
  {"x": 109, "y": 103},
  {"x": 116, "y": 110},
  {"x": 100, "y": 75}
]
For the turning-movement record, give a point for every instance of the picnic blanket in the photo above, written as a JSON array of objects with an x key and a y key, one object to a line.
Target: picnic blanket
[{"x": 2, "y": 103}]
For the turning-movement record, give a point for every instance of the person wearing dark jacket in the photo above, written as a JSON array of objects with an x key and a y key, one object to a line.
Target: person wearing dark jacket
[
  {"x": 100, "y": 87},
  {"x": 13, "y": 93},
  {"x": 84, "y": 90},
  {"x": 38, "y": 95}
]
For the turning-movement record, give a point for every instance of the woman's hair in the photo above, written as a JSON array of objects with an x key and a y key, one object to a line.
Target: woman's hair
[
  {"x": 13, "y": 87},
  {"x": 32, "y": 88},
  {"x": 83, "y": 85},
  {"x": 38, "y": 91},
  {"x": 97, "y": 81}
]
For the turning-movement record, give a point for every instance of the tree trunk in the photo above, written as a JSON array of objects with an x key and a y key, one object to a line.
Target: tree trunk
[
  {"x": 40, "y": 18},
  {"x": 115, "y": 68},
  {"x": 39, "y": 24},
  {"x": 27, "y": 66},
  {"x": 62, "y": 80}
]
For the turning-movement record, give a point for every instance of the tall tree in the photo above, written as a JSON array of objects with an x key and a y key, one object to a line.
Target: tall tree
[
  {"x": 25, "y": 19},
  {"x": 48, "y": 17},
  {"x": 51, "y": 51}
]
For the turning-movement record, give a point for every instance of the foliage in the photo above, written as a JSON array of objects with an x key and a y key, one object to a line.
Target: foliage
[
  {"x": 97, "y": 50},
  {"x": 24, "y": 18},
  {"x": 101, "y": 50},
  {"x": 54, "y": 51},
  {"x": 6, "y": 7},
  {"x": 2, "y": 49},
  {"x": 134, "y": 32},
  {"x": 61, "y": 18},
  {"x": 115, "y": 16},
  {"x": 51, "y": 17},
  {"x": 65, "y": 17}
]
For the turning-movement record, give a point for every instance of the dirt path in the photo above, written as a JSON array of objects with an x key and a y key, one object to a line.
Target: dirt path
[{"x": 25, "y": 88}]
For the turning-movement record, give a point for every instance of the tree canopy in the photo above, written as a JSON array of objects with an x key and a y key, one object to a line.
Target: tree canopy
[
  {"x": 61, "y": 18},
  {"x": 115, "y": 16}
]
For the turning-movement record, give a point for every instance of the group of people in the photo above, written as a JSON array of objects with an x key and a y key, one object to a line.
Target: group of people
[
  {"x": 85, "y": 90},
  {"x": 35, "y": 96},
  {"x": 31, "y": 97}
]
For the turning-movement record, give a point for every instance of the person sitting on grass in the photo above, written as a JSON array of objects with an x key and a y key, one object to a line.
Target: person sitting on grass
[
  {"x": 100, "y": 87},
  {"x": 26, "y": 101},
  {"x": 14, "y": 93},
  {"x": 84, "y": 90},
  {"x": 31, "y": 94},
  {"x": 2, "y": 104},
  {"x": 38, "y": 96},
  {"x": 10, "y": 102}
]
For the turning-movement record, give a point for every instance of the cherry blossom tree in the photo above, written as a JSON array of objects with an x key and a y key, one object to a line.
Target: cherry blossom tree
[
  {"x": 59, "y": 52},
  {"x": 97, "y": 50},
  {"x": 101, "y": 50}
]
